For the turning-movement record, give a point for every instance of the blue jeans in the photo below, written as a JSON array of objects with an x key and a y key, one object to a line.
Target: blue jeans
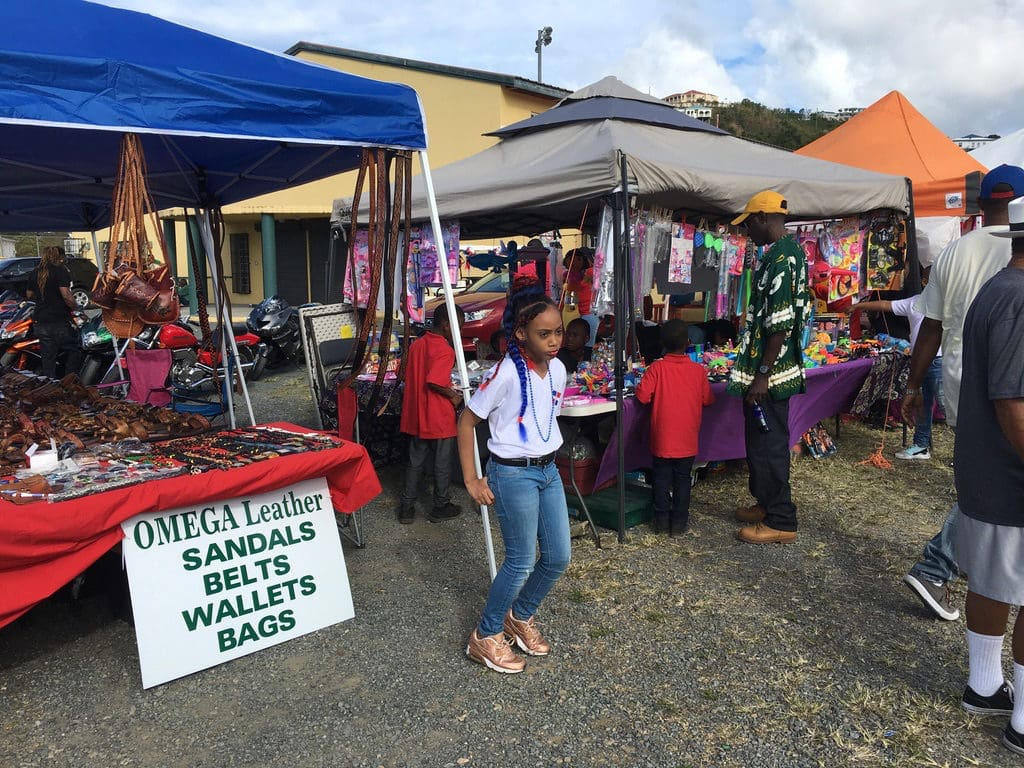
[
  {"x": 939, "y": 564},
  {"x": 931, "y": 390},
  {"x": 530, "y": 505}
]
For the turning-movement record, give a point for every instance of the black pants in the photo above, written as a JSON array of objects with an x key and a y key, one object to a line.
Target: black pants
[
  {"x": 672, "y": 490},
  {"x": 56, "y": 339},
  {"x": 419, "y": 455},
  {"x": 768, "y": 459}
]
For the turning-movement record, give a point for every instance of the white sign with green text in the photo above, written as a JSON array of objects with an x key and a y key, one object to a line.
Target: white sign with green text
[{"x": 221, "y": 580}]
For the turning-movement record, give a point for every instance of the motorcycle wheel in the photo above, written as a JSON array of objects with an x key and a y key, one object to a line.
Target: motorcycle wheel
[
  {"x": 246, "y": 357},
  {"x": 258, "y": 366},
  {"x": 9, "y": 359}
]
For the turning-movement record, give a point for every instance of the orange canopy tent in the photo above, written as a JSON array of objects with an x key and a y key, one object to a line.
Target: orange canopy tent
[{"x": 892, "y": 137}]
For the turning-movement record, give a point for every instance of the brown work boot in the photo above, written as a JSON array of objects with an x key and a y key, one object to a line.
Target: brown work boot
[
  {"x": 753, "y": 514},
  {"x": 526, "y": 635},
  {"x": 759, "y": 533},
  {"x": 494, "y": 652}
]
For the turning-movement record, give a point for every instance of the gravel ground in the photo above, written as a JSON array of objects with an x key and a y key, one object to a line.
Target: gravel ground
[{"x": 694, "y": 651}]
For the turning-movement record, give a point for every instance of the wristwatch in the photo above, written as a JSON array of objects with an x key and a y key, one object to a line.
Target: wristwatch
[
  {"x": 764, "y": 370},
  {"x": 912, "y": 391}
]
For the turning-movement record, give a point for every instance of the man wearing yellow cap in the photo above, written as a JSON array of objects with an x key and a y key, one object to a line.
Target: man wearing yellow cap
[{"x": 769, "y": 368}]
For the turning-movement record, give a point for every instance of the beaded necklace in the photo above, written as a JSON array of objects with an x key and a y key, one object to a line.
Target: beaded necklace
[{"x": 533, "y": 409}]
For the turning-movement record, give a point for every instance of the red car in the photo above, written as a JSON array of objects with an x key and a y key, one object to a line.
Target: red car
[{"x": 484, "y": 304}]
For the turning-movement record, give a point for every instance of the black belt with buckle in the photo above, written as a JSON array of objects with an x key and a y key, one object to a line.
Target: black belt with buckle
[{"x": 539, "y": 461}]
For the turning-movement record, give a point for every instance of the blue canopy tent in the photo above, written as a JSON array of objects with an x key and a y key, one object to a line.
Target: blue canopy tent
[{"x": 219, "y": 121}]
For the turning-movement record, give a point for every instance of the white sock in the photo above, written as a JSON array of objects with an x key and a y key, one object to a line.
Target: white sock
[
  {"x": 985, "y": 662},
  {"x": 1017, "y": 720}
]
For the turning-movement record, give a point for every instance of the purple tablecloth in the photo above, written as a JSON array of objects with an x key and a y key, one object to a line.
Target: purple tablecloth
[{"x": 831, "y": 389}]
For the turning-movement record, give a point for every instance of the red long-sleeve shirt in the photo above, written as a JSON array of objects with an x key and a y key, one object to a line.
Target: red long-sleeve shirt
[{"x": 678, "y": 389}]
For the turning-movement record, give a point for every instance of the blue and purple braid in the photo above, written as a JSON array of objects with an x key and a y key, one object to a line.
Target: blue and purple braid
[{"x": 526, "y": 302}]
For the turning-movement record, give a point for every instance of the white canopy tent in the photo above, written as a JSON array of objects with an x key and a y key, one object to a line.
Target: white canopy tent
[{"x": 1008, "y": 150}]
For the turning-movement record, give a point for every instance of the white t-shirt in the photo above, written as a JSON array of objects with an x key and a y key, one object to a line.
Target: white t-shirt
[
  {"x": 500, "y": 400},
  {"x": 905, "y": 308},
  {"x": 957, "y": 275}
]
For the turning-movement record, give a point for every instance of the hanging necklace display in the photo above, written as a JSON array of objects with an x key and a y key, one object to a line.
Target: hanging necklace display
[{"x": 551, "y": 413}]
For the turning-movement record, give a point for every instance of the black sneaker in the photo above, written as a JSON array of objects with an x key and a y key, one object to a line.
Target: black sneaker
[
  {"x": 1012, "y": 740},
  {"x": 933, "y": 594},
  {"x": 999, "y": 703},
  {"x": 406, "y": 513},
  {"x": 444, "y": 512}
]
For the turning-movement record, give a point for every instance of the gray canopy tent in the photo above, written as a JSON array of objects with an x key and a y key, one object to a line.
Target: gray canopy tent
[
  {"x": 545, "y": 170},
  {"x": 607, "y": 141}
]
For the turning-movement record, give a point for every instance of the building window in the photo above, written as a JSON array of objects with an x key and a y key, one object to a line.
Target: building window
[
  {"x": 73, "y": 246},
  {"x": 240, "y": 262}
]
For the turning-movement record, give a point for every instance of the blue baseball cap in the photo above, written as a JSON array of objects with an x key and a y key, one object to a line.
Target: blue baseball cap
[{"x": 1010, "y": 175}]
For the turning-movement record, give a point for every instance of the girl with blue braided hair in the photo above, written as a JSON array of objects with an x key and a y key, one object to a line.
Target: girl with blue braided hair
[{"x": 520, "y": 399}]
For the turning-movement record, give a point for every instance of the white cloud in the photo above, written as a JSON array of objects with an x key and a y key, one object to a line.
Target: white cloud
[
  {"x": 961, "y": 64},
  {"x": 665, "y": 62}
]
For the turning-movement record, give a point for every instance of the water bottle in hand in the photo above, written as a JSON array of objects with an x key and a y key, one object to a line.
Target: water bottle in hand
[{"x": 762, "y": 421}]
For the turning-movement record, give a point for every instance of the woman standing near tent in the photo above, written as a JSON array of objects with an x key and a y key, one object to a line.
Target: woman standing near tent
[
  {"x": 521, "y": 400},
  {"x": 49, "y": 286}
]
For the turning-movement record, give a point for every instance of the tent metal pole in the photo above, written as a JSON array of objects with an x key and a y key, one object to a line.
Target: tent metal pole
[
  {"x": 460, "y": 356},
  {"x": 621, "y": 243},
  {"x": 117, "y": 352},
  {"x": 912, "y": 284},
  {"x": 227, "y": 337}
]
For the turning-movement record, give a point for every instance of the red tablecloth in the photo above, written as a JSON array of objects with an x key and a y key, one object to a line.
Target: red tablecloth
[
  {"x": 44, "y": 546},
  {"x": 831, "y": 389}
]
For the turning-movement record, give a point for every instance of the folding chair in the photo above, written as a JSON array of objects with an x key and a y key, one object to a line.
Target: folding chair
[
  {"x": 327, "y": 353},
  {"x": 148, "y": 370}
]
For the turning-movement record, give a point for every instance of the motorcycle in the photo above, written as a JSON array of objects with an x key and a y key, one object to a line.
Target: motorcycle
[
  {"x": 276, "y": 322},
  {"x": 16, "y": 332},
  {"x": 191, "y": 366}
]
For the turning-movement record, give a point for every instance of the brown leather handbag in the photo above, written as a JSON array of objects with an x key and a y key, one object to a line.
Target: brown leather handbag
[{"x": 135, "y": 288}]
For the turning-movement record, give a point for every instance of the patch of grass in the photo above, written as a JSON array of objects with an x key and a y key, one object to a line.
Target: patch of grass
[
  {"x": 599, "y": 631},
  {"x": 655, "y": 617},
  {"x": 577, "y": 596}
]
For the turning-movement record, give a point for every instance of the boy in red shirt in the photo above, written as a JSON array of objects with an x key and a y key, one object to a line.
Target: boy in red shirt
[
  {"x": 428, "y": 416},
  {"x": 679, "y": 390}
]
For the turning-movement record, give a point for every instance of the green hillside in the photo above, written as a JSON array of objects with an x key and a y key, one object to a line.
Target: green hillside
[{"x": 782, "y": 128}]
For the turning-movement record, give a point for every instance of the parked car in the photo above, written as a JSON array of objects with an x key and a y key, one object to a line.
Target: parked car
[
  {"x": 14, "y": 276},
  {"x": 484, "y": 304}
]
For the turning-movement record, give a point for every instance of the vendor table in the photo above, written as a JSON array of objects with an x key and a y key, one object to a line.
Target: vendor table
[
  {"x": 44, "y": 546},
  {"x": 830, "y": 390}
]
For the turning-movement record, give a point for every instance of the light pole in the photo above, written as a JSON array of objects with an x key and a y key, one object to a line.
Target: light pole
[{"x": 543, "y": 38}]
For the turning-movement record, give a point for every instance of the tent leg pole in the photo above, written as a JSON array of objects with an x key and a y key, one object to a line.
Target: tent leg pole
[
  {"x": 227, "y": 331},
  {"x": 117, "y": 352},
  {"x": 620, "y": 244},
  {"x": 460, "y": 356}
]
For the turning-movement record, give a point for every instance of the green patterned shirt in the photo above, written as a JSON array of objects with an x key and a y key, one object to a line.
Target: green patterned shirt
[{"x": 778, "y": 304}]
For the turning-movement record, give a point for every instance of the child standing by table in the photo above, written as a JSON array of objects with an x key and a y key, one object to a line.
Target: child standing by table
[
  {"x": 520, "y": 400},
  {"x": 428, "y": 416},
  {"x": 678, "y": 389}
]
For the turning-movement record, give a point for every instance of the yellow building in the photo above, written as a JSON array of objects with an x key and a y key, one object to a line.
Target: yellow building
[{"x": 460, "y": 106}]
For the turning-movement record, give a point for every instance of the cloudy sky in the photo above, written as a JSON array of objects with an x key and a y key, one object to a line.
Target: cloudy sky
[{"x": 961, "y": 64}]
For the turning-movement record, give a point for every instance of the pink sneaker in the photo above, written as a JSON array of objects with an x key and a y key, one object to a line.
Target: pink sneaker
[
  {"x": 494, "y": 652},
  {"x": 526, "y": 635}
]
